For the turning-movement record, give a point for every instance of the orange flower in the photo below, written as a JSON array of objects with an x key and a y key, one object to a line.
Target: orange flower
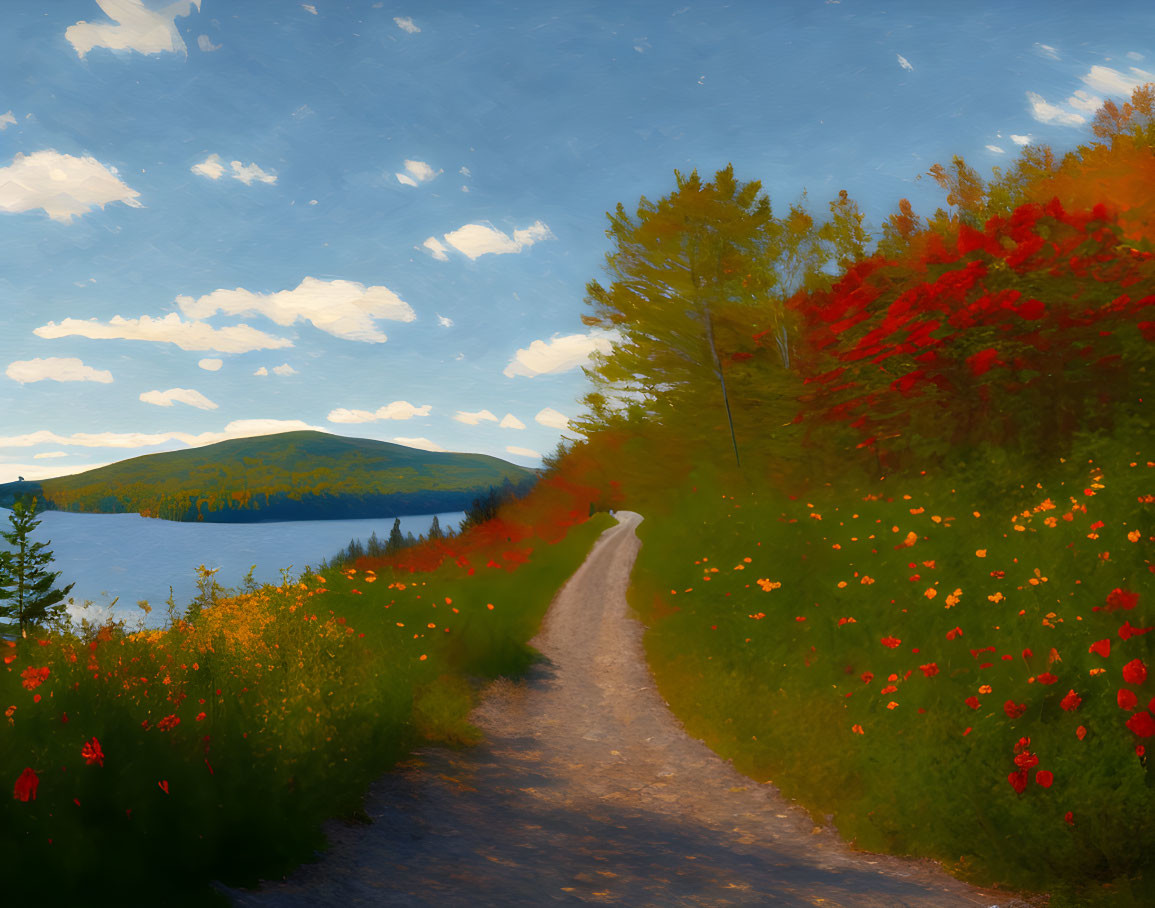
[
  {"x": 34, "y": 677},
  {"x": 92, "y": 753}
]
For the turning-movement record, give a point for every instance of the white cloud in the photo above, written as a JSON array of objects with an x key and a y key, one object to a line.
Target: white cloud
[
  {"x": 423, "y": 444},
  {"x": 465, "y": 171},
  {"x": 10, "y": 472},
  {"x": 284, "y": 369},
  {"x": 1132, "y": 55},
  {"x": 406, "y": 24},
  {"x": 170, "y": 329},
  {"x": 63, "y": 185},
  {"x": 205, "y": 43},
  {"x": 309, "y": 8},
  {"x": 55, "y": 368},
  {"x": 1045, "y": 112},
  {"x": 262, "y": 371},
  {"x": 444, "y": 321},
  {"x": 344, "y": 309},
  {"x": 1112, "y": 82},
  {"x": 1047, "y": 51},
  {"x": 1084, "y": 100},
  {"x": 1020, "y": 140},
  {"x": 399, "y": 409},
  {"x": 178, "y": 395},
  {"x": 509, "y": 421},
  {"x": 437, "y": 248},
  {"x": 558, "y": 354},
  {"x": 7, "y": 120},
  {"x": 904, "y": 63},
  {"x": 49, "y": 454},
  {"x": 522, "y": 452},
  {"x": 238, "y": 428},
  {"x": 995, "y": 149},
  {"x": 476, "y": 240},
  {"x": 137, "y": 28},
  {"x": 213, "y": 168},
  {"x": 552, "y": 418},
  {"x": 472, "y": 419},
  {"x": 211, "y": 365},
  {"x": 418, "y": 172}
]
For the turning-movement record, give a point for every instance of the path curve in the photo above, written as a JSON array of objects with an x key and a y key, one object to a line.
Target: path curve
[{"x": 587, "y": 790}]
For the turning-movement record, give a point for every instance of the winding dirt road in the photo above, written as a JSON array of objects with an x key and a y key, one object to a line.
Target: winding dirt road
[{"x": 588, "y": 790}]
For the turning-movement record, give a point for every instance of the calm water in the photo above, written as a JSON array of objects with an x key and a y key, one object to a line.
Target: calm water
[{"x": 133, "y": 558}]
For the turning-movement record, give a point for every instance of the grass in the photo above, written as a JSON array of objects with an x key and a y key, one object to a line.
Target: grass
[
  {"x": 881, "y": 653},
  {"x": 215, "y": 749}
]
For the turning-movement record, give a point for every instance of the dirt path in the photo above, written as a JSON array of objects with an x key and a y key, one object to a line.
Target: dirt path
[{"x": 587, "y": 790}]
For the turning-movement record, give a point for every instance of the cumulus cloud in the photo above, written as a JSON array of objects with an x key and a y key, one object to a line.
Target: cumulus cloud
[
  {"x": 63, "y": 185},
  {"x": 211, "y": 365},
  {"x": 180, "y": 396},
  {"x": 137, "y": 28},
  {"x": 472, "y": 419},
  {"x": 284, "y": 369},
  {"x": 1020, "y": 140},
  {"x": 344, "y": 309},
  {"x": 522, "y": 452},
  {"x": 444, "y": 321},
  {"x": 476, "y": 240},
  {"x": 205, "y": 43},
  {"x": 399, "y": 409},
  {"x": 171, "y": 329},
  {"x": 904, "y": 63},
  {"x": 238, "y": 428},
  {"x": 406, "y": 24},
  {"x": 1047, "y": 51},
  {"x": 417, "y": 172},
  {"x": 437, "y": 249},
  {"x": 1084, "y": 100},
  {"x": 214, "y": 168},
  {"x": 262, "y": 371},
  {"x": 552, "y": 418},
  {"x": 55, "y": 368},
  {"x": 423, "y": 444},
  {"x": 509, "y": 421},
  {"x": 1112, "y": 82},
  {"x": 7, "y": 120},
  {"x": 558, "y": 354},
  {"x": 995, "y": 149},
  {"x": 1045, "y": 112}
]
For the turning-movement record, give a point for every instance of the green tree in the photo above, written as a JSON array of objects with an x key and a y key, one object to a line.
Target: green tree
[
  {"x": 396, "y": 540},
  {"x": 27, "y": 593},
  {"x": 435, "y": 529}
]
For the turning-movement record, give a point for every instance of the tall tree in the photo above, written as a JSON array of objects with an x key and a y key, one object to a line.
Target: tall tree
[
  {"x": 396, "y": 541},
  {"x": 435, "y": 529},
  {"x": 27, "y": 593}
]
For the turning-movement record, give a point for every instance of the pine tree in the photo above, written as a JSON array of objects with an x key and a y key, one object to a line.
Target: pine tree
[
  {"x": 396, "y": 540},
  {"x": 435, "y": 531},
  {"x": 26, "y": 586}
]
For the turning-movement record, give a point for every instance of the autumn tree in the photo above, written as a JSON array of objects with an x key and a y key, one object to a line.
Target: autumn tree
[{"x": 27, "y": 593}]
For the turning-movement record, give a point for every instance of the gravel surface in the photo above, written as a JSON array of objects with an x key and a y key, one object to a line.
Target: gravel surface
[{"x": 587, "y": 789}]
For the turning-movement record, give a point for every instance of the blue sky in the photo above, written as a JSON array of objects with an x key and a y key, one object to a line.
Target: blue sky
[{"x": 376, "y": 219}]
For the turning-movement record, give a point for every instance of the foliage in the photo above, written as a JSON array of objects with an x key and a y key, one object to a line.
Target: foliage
[{"x": 27, "y": 588}]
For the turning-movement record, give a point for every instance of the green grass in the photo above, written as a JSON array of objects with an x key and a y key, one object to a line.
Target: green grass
[
  {"x": 797, "y": 684},
  {"x": 290, "y": 701}
]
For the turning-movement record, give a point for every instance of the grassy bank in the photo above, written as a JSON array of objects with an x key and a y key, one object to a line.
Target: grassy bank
[
  {"x": 948, "y": 667},
  {"x": 144, "y": 765}
]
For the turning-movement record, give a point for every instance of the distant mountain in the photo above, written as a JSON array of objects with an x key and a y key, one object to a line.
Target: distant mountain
[{"x": 291, "y": 476}]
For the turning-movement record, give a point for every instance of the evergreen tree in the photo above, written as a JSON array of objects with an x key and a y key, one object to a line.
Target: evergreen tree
[
  {"x": 26, "y": 585},
  {"x": 375, "y": 548},
  {"x": 396, "y": 540},
  {"x": 435, "y": 529}
]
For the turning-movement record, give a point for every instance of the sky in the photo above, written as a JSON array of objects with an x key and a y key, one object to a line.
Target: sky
[{"x": 221, "y": 219}]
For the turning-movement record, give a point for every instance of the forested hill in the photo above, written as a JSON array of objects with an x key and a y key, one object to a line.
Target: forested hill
[{"x": 291, "y": 476}]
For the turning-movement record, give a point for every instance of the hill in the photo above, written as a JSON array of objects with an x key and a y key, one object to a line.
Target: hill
[{"x": 291, "y": 476}]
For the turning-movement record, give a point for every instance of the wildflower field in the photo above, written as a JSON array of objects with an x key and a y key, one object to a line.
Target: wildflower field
[
  {"x": 143, "y": 765},
  {"x": 938, "y": 668}
]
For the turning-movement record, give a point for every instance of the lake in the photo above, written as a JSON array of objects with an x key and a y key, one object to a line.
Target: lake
[{"x": 132, "y": 557}]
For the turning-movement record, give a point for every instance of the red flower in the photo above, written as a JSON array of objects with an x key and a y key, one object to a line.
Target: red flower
[
  {"x": 1024, "y": 743},
  {"x": 973, "y": 702},
  {"x": 1018, "y": 781},
  {"x": 1081, "y": 732},
  {"x": 1135, "y": 672},
  {"x": 1044, "y": 778},
  {"x": 1126, "y": 698},
  {"x": 168, "y": 722},
  {"x": 92, "y": 753},
  {"x": 34, "y": 677},
  {"x": 1047, "y": 678},
  {"x": 1026, "y": 760},
  {"x": 930, "y": 669},
  {"x": 1013, "y": 709},
  {"x": 1071, "y": 702},
  {"x": 1143, "y": 724},
  {"x": 956, "y": 632},
  {"x": 983, "y": 361},
  {"x": 163, "y": 785},
  {"x": 1069, "y": 818},
  {"x": 1126, "y": 632},
  {"x": 1121, "y": 599},
  {"x": 867, "y": 677},
  {"x": 26, "y": 785},
  {"x": 1101, "y": 648},
  {"x": 892, "y": 642}
]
